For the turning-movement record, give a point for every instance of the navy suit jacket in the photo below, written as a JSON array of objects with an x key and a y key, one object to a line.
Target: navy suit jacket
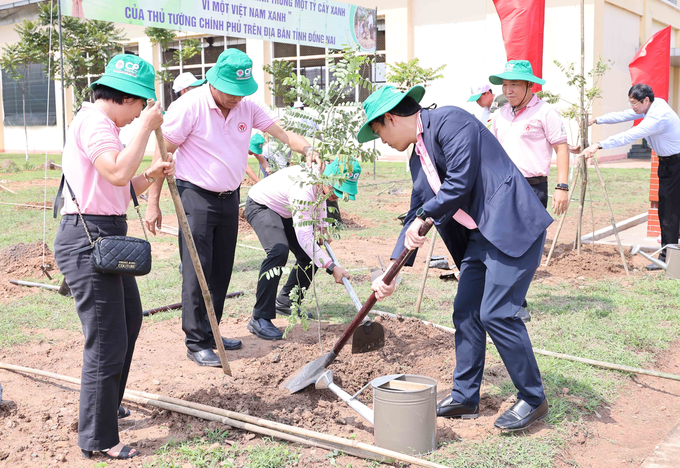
[{"x": 478, "y": 176}]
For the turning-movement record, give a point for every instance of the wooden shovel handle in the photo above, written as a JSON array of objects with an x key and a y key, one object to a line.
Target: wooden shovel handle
[{"x": 392, "y": 273}]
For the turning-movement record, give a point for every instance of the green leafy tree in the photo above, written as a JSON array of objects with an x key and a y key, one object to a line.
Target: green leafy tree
[
  {"x": 405, "y": 75},
  {"x": 279, "y": 70},
  {"x": 162, "y": 37},
  {"x": 16, "y": 60},
  {"x": 330, "y": 121},
  {"x": 88, "y": 46},
  {"x": 578, "y": 81}
]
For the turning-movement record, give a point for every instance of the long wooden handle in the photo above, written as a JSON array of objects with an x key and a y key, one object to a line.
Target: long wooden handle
[
  {"x": 392, "y": 273},
  {"x": 191, "y": 246}
]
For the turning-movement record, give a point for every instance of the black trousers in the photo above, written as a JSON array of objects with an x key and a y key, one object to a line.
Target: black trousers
[
  {"x": 110, "y": 311},
  {"x": 669, "y": 201},
  {"x": 277, "y": 236},
  {"x": 333, "y": 211},
  {"x": 214, "y": 225},
  {"x": 541, "y": 191}
]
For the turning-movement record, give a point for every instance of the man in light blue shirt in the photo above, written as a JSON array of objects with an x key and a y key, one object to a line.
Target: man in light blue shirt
[{"x": 661, "y": 127}]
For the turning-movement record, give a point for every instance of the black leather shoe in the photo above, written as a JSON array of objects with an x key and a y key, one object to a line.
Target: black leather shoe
[
  {"x": 447, "y": 408},
  {"x": 521, "y": 416},
  {"x": 265, "y": 329},
  {"x": 229, "y": 345},
  {"x": 204, "y": 357},
  {"x": 523, "y": 314},
  {"x": 653, "y": 267},
  {"x": 285, "y": 309},
  {"x": 282, "y": 308}
]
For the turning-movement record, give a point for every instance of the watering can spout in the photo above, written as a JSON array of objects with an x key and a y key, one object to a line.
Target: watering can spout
[
  {"x": 326, "y": 382},
  {"x": 636, "y": 249}
]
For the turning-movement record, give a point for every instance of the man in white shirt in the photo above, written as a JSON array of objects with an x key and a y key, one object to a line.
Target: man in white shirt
[
  {"x": 483, "y": 96},
  {"x": 186, "y": 82},
  {"x": 661, "y": 127}
]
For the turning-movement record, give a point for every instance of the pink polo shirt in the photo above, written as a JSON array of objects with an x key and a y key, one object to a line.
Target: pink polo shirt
[
  {"x": 91, "y": 134},
  {"x": 283, "y": 189},
  {"x": 212, "y": 151},
  {"x": 529, "y": 136}
]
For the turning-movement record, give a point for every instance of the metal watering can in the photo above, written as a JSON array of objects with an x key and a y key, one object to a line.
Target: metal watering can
[
  {"x": 404, "y": 414},
  {"x": 672, "y": 263}
]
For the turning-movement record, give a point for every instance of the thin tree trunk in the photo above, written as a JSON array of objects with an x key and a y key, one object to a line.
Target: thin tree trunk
[
  {"x": 584, "y": 136},
  {"x": 23, "y": 101}
]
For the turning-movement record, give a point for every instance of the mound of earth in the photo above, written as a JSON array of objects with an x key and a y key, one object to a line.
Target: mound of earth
[
  {"x": 22, "y": 261},
  {"x": 595, "y": 262}
]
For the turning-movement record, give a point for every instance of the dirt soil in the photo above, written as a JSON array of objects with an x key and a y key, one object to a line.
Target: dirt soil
[
  {"x": 23, "y": 262},
  {"x": 38, "y": 418}
]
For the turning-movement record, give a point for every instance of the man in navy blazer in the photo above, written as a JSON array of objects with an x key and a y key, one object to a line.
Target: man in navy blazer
[{"x": 494, "y": 227}]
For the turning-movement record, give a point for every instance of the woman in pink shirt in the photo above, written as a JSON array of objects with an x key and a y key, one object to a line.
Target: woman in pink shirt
[
  {"x": 99, "y": 174},
  {"x": 280, "y": 208}
]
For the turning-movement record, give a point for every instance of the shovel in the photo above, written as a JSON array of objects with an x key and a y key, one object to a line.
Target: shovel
[
  {"x": 309, "y": 374},
  {"x": 369, "y": 336}
]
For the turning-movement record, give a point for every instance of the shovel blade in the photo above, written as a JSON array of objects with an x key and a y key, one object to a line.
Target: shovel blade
[
  {"x": 368, "y": 337},
  {"x": 309, "y": 374}
]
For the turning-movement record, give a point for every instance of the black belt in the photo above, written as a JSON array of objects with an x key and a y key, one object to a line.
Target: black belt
[
  {"x": 95, "y": 218},
  {"x": 537, "y": 180},
  {"x": 189, "y": 185},
  {"x": 672, "y": 157}
]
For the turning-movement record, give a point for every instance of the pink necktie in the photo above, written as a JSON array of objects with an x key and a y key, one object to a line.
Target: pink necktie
[{"x": 433, "y": 178}]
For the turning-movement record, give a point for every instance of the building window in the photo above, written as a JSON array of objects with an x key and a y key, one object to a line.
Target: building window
[
  {"x": 310, "y": 62},
  {"x": 36, "y": 99},
  {"x": 199, "y": 64}
]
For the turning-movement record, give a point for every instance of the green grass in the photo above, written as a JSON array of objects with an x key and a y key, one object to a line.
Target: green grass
[
  {"x": 628, "y": 322},
  {"x": 214, "y": 450},
  {"x": 501, "y": 451}
]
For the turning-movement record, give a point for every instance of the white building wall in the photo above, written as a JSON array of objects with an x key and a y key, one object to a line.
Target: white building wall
[{"x": 621, "y": 28}]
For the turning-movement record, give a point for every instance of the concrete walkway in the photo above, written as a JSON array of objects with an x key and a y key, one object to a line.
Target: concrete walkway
[
  {"x": 667, "y": 453},
  {"x": 629, "y": 237}
]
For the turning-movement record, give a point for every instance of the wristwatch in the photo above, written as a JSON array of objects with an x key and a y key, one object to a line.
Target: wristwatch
[
  {"x": 564, "y": 187},
  {"x": 420, "y": 213},
  {"x": 329, "y": 269},
  {"x": 150, "y": 180}
]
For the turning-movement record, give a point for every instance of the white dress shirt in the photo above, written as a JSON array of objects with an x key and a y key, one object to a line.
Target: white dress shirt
[
  {"x": 485, "y": 115},
  {"x": 660, "y": 126}
]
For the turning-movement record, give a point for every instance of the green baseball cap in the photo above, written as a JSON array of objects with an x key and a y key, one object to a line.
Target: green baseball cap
[
  {"x": 256, "y": 143},
  {"x": 233, "y": 74},
  {"x": 381, "y": 101},
  {"x": 516, "y": 70},
  {"x": 131, "y": 75},
  {"x": 349, "y": 186}
]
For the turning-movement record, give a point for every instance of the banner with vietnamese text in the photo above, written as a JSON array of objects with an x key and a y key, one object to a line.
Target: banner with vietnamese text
[{"x": 325, "y": 23}]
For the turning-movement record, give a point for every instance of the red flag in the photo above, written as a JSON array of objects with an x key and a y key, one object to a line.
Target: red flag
[
  {"x": 522, "y": 27},
  {"x": 652, "y": 64}
]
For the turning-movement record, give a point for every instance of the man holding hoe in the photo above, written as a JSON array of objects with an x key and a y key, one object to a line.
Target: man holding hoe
[
  {"x": 494, "y": 227},
  {"x": 209, "y": 131}
]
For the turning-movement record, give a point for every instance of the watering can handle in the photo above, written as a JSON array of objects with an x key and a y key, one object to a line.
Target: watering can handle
[{"x": 345, "y": 281}]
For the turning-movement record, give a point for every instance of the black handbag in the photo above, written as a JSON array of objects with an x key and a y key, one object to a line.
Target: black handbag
[{"x": 116, "y": 255}]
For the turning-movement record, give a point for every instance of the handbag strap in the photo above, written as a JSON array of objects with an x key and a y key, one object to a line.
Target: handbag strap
[{"x": 80, "y": 214}]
